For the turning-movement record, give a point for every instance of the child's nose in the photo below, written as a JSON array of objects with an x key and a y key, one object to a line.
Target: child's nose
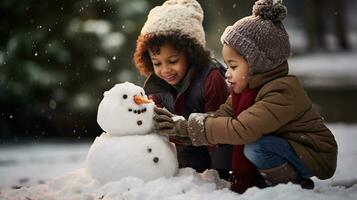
[
  {"x": 166, "y": 69},
  {"x": 228, "y": 75}
]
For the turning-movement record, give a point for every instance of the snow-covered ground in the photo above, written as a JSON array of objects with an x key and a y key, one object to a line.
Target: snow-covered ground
[
  {"x": 55, "y": 171},
  {"x": 30, "y": 164},
  {"x": 326, "y": 69}
]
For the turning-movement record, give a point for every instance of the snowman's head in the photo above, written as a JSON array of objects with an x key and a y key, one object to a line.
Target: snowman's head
[{"x": 125, "y": 110}]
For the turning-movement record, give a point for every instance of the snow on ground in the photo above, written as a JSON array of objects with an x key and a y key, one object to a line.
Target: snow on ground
[
  {"x": 324, "y": 69},
  {"x": 30, "y": 164},
  {"x": 60, "y": 170}
]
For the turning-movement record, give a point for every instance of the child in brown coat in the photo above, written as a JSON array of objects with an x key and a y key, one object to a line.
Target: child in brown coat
[{"x": 268, "y": 111}]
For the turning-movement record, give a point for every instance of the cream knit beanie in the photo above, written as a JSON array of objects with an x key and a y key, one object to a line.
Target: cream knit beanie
[{"x": 183, "y": 16}]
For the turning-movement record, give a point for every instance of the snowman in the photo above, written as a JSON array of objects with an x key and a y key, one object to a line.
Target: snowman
[{"x": 128, "y": 147}]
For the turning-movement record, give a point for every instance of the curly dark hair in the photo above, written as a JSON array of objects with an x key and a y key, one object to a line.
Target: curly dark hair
[{"x": 197, "y": 56}]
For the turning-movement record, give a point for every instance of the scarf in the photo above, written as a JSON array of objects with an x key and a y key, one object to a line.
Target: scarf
[{"x": 244, "y": 173}]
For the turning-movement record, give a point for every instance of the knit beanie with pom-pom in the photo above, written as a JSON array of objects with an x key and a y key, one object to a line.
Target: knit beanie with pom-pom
[
  {"x": 182, "y": 16},
  {"x": 260, "y": 38}
]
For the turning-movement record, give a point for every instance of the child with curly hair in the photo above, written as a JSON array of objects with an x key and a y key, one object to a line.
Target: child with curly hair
[
  {"x": 182, "y": 76},
  {"x": 268, "y": 118}
]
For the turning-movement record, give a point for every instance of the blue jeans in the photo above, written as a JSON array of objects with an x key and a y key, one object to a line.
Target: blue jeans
[{"x": 272, "y": 151}]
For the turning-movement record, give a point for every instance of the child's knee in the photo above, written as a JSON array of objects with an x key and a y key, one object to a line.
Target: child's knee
[
  {"x": 253, "y": 152},
  {"x": 258, "y": 151}
]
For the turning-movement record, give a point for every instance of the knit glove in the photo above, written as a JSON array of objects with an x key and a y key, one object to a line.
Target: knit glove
[{"x": 165, "y": 125}]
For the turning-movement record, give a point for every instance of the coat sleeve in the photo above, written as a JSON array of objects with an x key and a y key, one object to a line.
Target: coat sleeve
[
  {"x": 225, "y": 110},
  {"x": 274, "y": 107},
  {"x": 215, "y": 91}
]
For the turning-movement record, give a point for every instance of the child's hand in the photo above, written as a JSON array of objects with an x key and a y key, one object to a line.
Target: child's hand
[
  {"x": 165, "y": 125},
  {"x": 162, "y": 118}
]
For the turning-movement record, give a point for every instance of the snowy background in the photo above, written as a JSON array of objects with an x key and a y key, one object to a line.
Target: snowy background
[
  {"x": 55, "y": 65},
  {"x": 55, "y": 171}
]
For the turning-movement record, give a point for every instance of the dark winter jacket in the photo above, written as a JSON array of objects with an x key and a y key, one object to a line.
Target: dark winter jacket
[{"x": 202, "y": 90}]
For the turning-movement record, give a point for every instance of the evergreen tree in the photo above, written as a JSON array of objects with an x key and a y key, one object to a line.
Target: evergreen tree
[{"x": 58, "y": 57}]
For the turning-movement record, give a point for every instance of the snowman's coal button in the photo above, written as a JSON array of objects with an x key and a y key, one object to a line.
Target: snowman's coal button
[
  {"x": 149, "y": 150},
  {"x": 156, "y": 159},
  {"x": 130, "y": 109},
  {"x": 139, "y": 122}
]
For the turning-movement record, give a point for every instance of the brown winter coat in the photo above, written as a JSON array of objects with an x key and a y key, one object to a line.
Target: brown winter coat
[{"x": 281, "y": 108}]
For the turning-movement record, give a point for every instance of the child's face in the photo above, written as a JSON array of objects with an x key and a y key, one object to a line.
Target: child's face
[
  {"x": 237, "y": 69},
  {"x": 169, "y": 64}
]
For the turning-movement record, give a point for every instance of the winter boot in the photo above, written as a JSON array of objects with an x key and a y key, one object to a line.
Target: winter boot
[
  {"x": 285, "y": 173},
  {"x": 240, "y": 183}
]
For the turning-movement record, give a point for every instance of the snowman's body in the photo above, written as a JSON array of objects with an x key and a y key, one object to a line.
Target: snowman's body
[{"x": 128, "y": 148}]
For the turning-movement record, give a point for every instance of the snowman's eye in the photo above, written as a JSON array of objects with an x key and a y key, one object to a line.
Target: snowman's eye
[
  {"x": 125, "y": 96},
  {"x": 141, "y": 94}
]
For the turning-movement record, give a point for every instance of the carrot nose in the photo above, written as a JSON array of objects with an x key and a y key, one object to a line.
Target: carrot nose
[{"x": 140, "y": 100}]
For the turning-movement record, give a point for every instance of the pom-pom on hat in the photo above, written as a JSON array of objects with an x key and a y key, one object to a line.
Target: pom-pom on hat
[
  {"x": 183, "y": 16},
  {"x": 260, "y": 38}
]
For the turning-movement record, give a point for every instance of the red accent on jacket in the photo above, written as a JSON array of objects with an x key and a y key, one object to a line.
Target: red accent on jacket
[{"x": 244, "y": 173}]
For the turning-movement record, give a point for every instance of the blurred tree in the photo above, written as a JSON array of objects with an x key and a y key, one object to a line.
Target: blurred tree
[
  {"x": 319, "y": 16},
  {"x": 56, "y": 59},
  {"x": 219, "y": 15}
]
